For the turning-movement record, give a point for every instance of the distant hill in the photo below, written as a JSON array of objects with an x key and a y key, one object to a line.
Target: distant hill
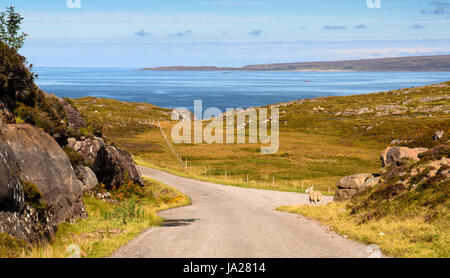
[{"x": 413, "y": 63}]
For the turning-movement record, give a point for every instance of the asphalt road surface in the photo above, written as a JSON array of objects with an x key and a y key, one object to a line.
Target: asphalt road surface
[{"x": 233, "y": 222}]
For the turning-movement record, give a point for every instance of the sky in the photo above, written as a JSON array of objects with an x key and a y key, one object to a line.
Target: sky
[{"x": 148, "y": 33}]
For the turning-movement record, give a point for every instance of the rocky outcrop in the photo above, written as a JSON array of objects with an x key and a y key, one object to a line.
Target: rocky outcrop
[
  {"x": 17, "y": 217},
  {"x": 42, "y": 162},
  {"x": 349, "y": 186},
  {"x": 87, "y": 177},
  {"x": 393, "y": 154},
  {"x": 109, "y": 163},
  {"x": 424, "y": 168},
  {"x": 88, "y": 148},
  {"x": 11, "y": 192},
  {"x": 111, "y": 166},
  {"x": 74, "y": 120}
]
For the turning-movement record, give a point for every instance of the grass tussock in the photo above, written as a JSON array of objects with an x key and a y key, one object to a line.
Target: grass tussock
[{"x": 109, "y": 225}]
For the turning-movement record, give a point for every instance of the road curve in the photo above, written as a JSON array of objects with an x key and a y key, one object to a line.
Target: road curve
[{"x": 233, "y": 222}]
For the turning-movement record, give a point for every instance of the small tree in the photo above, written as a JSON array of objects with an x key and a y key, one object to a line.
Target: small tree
[{"x": 9, "y": 28}]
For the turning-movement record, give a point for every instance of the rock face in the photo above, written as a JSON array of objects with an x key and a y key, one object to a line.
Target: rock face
[
  {"x": 11, "y": 192},
  {"x": 111, "y": 166},
  {"x": 87, "y": 177},
  {"x": 351, "y": 185},
  {"x": 393, "y": 154},
  {"x": 42, "y": 162},
  {"x": 16, "y": 218},
  {"x": 87, "y": 148}
]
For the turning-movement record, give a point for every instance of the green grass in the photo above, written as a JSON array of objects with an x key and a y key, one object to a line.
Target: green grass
[
  {"x": 99, "y": 235},
  {"x": 232, "y": 181},
  {"x": 316, "y": 147}
]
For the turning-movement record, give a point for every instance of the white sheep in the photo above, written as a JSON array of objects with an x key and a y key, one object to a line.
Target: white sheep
[{"x": 314, "y": 196}]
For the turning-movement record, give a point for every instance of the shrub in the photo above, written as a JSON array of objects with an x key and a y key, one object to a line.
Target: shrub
[
  {"x": 15, "y": 76},
  {"x": 127, "y": 210},
  {"x": 436, "y": 153},
  {"x": 33, "y": 198},
  {"x": 75, "y": 158},
  {"x": 129, "y": 189}
]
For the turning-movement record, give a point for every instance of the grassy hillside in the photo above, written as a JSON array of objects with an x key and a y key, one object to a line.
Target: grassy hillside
[
  {"x": 321, "y": 140},
  {"x": 413, "y": 63},
  {"x": 407, "y": 215}
]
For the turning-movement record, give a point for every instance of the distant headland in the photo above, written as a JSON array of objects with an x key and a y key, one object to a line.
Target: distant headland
[{"x": 411, "y": 63}]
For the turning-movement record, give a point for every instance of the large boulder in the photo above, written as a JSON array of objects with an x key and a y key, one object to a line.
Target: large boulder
[
  {"x": 111, "y": 166},
  {"x": 11, "y": 192},
  {"x": 393, "y": 154},
  {"x": 87, "y": 148},
  {"x": 18, "y": 218},
  {"x": 87, "y": 177},
  {"x": 42, "y": 162},
  {"x": 344, "y": 194},
  {"x": 353, "y": 181},
  {"x": 349, "y": 186}
]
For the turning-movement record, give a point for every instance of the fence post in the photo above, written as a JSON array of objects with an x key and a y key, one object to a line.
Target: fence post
[
  {"x": 247, "y": 178},
  {"x": 225, "y": 175}
]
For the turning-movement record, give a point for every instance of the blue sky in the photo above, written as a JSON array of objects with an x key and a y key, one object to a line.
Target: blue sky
[{"x": 139, "y": 33}]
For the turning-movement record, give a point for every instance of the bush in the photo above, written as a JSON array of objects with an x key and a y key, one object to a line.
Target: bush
[
  {"x": 15, "y": 76},
  {"x": 129, "y": 189},
  {"x": 436, "y": 153},
  {"x": 33, "y": 198},
  {"x": 75, "y": 158},
  {"x": 127, "y": 210}
]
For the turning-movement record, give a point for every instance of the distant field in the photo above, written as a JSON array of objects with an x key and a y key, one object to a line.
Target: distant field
[{"x": 321, "y": 140}]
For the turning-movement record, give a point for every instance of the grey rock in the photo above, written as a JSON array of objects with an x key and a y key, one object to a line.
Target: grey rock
[
  {"x": 344, "y": 194},
  {"x": 42, "y": 162},
  {"x": 393, "y": 154},
  {"x": 349, "y": 186},
  {"x": 87, "y": 148},
  {"x": 11, "y": 191},
  {"x": 111, "y": 166},
  {"x": 87, "y": 177},
  {"x": 370, "y": 182},
  {"x": 354, "y": 181}
]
